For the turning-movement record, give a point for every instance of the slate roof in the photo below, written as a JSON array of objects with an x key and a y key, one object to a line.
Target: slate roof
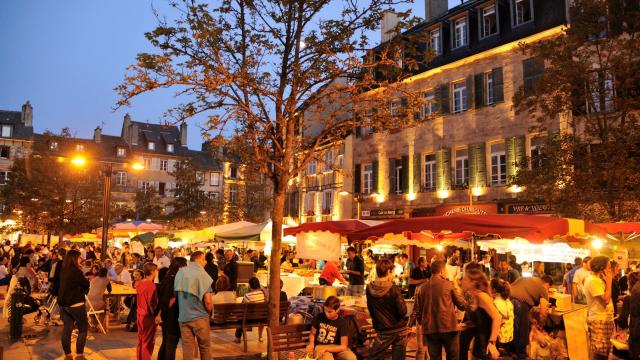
[
  {"x": 203, "y": 160},
  {"x": 161, "y": 135},
  {"x": 15, "y": 118}
]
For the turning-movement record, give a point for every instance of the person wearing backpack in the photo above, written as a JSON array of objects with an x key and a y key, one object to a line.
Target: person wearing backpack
[{"x": 388, "y": 311}]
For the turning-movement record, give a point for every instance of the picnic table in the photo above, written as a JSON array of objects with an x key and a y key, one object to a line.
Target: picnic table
[{"x": 117, "y": 291}]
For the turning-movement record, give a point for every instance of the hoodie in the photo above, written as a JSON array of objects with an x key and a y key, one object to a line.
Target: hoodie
[{"x": 386, "y": 306}]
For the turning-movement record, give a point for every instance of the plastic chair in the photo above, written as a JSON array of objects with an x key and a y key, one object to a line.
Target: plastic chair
[{"x": 95, "y": 314}]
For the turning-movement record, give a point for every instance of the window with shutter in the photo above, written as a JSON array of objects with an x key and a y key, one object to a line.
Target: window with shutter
[
  {"x": 357, "y": 179},
  {"x": 393, "y": 177},
  {"x": 443, "y": 99},
  {"x": 497, "y": 85},
  {"x": 367, "y": 179},
  {"x": 374, "y": 176},
  {"x": 498, "y": 164},
  {"x": 430, "y": 172},
  {"x": 404, "y": 174},
  {"x": 532, "y": 70},
  {"x": 416, "y": 172},
  {"x": 443, "y": 168},
  {"x": 479, "y": 90},
  {"x": 462, "y": 168},
  {"x": 477, "y": 165},
  {"x": 459, "y": 97},
  {"x": 535, "y": 148}
]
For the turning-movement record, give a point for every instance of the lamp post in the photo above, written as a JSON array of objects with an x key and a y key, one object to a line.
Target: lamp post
[{"x": 79, "y": 162}]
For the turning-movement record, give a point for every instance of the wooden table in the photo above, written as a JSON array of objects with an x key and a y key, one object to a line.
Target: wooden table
[{"x": 117, "y": 291}]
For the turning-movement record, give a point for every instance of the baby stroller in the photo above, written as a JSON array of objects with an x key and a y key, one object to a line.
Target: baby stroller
[{"x": 29, "y": 303}]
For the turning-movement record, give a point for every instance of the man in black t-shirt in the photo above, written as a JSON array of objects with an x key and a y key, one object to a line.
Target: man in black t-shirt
[
  {"x": 355, "y": 269},
  {"x": 329, "y": 335},
  {"x": 419, "y": 275}
]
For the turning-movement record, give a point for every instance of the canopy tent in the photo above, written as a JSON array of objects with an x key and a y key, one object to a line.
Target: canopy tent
[
  {"x": 145, "y": 238},
  {"x": 426, "y": 239},
  {"x": 208, "y": 234},
  {"x": 84, "y": 237},
  {"x": 621, "y": 227},
  {"x": 255, "y": 232},
  {"x": 548, "y": 251},
  {"x": 129, "y": 229},
  {"x": 342, "y": 227},
  {"x": 536, "y": 229}
]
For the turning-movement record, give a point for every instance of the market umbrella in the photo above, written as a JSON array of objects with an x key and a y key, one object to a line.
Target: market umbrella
[
  {"x": 536, "y": 229},
  {"x": 137, "y": 226},
  {"x": 145, "y": 238},
  {"x": 342, "y": 227}
]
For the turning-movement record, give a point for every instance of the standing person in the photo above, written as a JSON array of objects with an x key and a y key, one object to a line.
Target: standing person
[
  {"x": 501, "y": 291},
  {"x": 328, "y": 337},
  {"x": 483, "y": 315},
  {"x": 355, "y": 269},
  {"x": 577, "y": 264},
  {"x": 597, "y": 290},
  {"x": 220, "y": 259},
  {"x": 419, "y": 275},
  {"x": 527, "y": 293},
  {"x": 538, "y": 269},
  {"x": 71, "y": 299},
  {"x": 369, "y": 262},
  {"x": 634, "y": 316},
  {"x": 161, "y": 260},
  {"x": 193, "y": 291},
  {"x": 54, "y": 274},
  {"x": 231, "y": 269},
  {"x": 167, "y": 311},
  {"x": 211, "y": 268},
  {"x": 388, "y": 310},
  {"x": 453, "y": 266},
  {"x": 147, "y": 300},
  {"x": 577, "y": 282},
  {"x": 436, "y": 301},
  {"x": 330, "y": 273}
]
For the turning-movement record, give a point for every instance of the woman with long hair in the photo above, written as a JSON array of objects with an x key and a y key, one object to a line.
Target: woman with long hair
[
  {"x": 71, "y": 298},
  {"x": 167, "y": 311},
  {"x": 483, "y": 315}
]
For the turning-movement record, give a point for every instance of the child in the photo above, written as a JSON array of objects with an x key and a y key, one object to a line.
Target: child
[
  {"x": 147, "y": 301},
  {"x": 501, "y": 290},
  {"x": 329, "y": 333},
  {"x": 542, "y": 345}
]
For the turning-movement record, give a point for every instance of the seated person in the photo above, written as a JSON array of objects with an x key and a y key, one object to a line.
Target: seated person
[
  {"x": 255, "y": 295},
  {"x": 123, "y": 277},
  {"x": 224, "y": 294},
  {"x": 26, "y": 271},
  {"x": 329, "y": 338},
  {"x": 542, "y": 345},
  {"x": 97, "y": 286}
]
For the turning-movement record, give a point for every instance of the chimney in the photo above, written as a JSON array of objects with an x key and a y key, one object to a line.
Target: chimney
[
  {"x": 434, "y": 8},
  {"x": 126, "y": 128},
  {"x": 389, "y": 23},
  {"x": 27, "y": 114},
  {"x": 183, "y": 134},
  {"x": 97, "y": 134}
]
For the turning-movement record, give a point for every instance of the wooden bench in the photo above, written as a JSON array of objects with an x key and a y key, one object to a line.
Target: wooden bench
[
  {"x": 243, "y": 316},
  {"x": 287, "y": 338}
]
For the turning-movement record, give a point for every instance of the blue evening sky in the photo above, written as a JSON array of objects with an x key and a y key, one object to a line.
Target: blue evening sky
[{"x": 66, "y": 56}]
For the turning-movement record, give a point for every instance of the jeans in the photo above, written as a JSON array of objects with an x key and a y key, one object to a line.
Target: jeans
[
  {"x": 521, "y": 328},
  {"x": 170, "y": 339},
  {"x": 355, "y": 290},
  {"x": 192, "y": 331},
  {"x": 70, "y": 316},
  {"x": 397, "y": 341},
  {"x": 450, "y": 341}
]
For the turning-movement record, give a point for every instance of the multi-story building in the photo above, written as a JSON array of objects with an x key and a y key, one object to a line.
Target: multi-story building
[
  {"x": 470, "y": 141},
  {"x": 16, "y": 132}
]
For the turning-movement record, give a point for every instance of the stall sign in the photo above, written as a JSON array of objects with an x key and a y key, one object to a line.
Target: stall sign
[
  {"x": 477, "y": 209},
  {"x": 527, "y": 209},
  {"x": 382, "y": 213},
  {"x": 621, "y": 256}
]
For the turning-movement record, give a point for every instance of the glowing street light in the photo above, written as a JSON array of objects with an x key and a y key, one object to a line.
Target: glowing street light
[
  {"x": 137, "y": 166},
  {"x": 79, "y": 161}
]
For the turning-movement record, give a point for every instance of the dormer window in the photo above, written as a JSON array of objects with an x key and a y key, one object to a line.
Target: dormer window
[
  {"x": 121, "y": 152},
  {"x": 170, "y": 148},
  {"x": 521, "y": 11},
  {"x": 233, "y": 172},
  {"x": 79, "y": 148},
  {"x": 151, "y": 145},
  {"x": 488, "y": 21},
  {"x": 434, "y": 42},
  {"x": 461, "y": 37},
  {"x": 53, "y": 146},
  {"x": 7, "y": 130}
]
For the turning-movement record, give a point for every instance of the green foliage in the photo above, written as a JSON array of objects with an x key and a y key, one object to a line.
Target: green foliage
[
  {"x": 588, "y": 100},
  {"x": 50, "y": 195},
  {"x": 148, "y": 204},
  {"x": 192, "y": 207}
]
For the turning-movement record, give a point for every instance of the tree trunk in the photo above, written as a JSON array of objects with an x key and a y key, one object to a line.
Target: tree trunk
[{"x": 276, "y": 238}]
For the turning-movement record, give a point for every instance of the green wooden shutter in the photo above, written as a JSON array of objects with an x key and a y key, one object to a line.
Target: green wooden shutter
[
  {"x": 392, "y": 176},
  {"x": 498, "y": 87},
  {"x": 405, "y": 174},
  {"x": 479, "y": 87},
  {"x": 477, "y": 165},
  {"x": 443, "y": 169},
  {"x": 417, "y": 171},
  {"x": 374, "y": 176},
  {"x": 358, "y": 132},
  {"x": 515, "y": 155},
  {"x": 442, "y": 98},
  {"x": 357, "y": 179},
  {"x": 469, "y": 90}
]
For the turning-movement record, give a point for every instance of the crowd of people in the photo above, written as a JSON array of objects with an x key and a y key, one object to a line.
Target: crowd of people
[{"x": 485, "y": 307}]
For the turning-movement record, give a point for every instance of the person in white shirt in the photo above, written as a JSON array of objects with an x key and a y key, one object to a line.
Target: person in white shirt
[
  {"x": 123, "y": 276},
  {"x": 577, "y": 288},
  {"x": 161, "y": 260},
  {"x": 597, "y": 290},
  {"x": 4, "y": 279},
  {"x": 111, "y": 271}
]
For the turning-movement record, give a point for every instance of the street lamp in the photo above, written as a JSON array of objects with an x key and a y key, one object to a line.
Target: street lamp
[{"x": 80, "y": 161}]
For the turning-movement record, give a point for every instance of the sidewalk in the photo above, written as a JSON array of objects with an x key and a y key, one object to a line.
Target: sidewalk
[{"x": 43, "y": 342}]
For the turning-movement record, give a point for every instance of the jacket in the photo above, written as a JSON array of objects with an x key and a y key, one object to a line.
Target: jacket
[
  {"x": 435, "y": 303},
  {"x": 73, "y": 286},
  {"x": 386, "y": 306}
]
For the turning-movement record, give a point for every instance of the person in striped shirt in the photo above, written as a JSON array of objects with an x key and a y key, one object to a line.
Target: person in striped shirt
[{"x": 255, "y": 295}]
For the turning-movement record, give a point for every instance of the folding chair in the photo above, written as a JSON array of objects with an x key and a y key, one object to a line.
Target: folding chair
[{"x": 96, "y": 315}]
